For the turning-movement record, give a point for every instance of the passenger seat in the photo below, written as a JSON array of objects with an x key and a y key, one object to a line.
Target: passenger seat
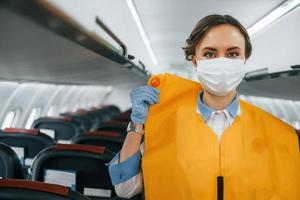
[
  {"x": 81, "y": 118},
  {"x": 81, "y": 167},
  {"x": 62, "y": 129},
  {"x": 26, "y": 142},
  {"x": 10, "y": 165},
  {"x": 114, "y": 125},
  {"x": 109, "y": 139}
]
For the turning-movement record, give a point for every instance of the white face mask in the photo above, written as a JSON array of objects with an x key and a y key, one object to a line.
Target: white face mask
[{"x": 220, "y": 76}]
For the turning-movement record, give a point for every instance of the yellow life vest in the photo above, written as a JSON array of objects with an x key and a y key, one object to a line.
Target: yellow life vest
[{"x": 257, "y": 156}]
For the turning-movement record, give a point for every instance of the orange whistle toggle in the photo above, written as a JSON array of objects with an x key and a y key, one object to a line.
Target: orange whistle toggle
[{"x": 155, "y": 82}]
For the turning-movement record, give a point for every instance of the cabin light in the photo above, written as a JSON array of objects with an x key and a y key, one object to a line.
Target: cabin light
[
  {"x": 139, "y": 24},
  {"x": 273, "y": 16}
]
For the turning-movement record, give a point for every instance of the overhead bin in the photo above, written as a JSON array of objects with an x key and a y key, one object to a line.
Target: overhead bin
[
  {"x": 281, "y": 85},
  {"x": 39, "y": 42}
]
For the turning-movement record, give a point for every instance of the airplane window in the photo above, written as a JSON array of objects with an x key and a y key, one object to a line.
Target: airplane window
[
  {"x": 9, "y": 119},
  {"x": 33, "y": 116}
]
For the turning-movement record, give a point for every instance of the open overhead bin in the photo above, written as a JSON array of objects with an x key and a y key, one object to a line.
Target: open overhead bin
[
  {"x": 39, "y": 42},
  {"x": 281, "y": 85}
]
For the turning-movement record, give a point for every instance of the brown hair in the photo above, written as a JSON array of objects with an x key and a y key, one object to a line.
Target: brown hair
[{"x": 208, "y": 22}]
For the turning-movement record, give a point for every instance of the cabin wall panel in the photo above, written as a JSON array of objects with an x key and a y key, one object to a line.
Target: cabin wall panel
[{"x": 24, "y": 97}]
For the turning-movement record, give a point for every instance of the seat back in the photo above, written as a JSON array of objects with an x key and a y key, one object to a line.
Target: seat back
[
  {"x": 91, "y": 117},
  {"x": 125, "y": 116},
  {"x": 63, "y": 128},
  {"x": 12, "y": 189},
  {"x": 10, "y": 165},
  {"x": 29, "y": 141},
  {"x": 127, "y": 113},
  {"x": 113, "y": 110},
  {"x": 114, "y": 125},
  {"x": 82, "y": 119},
  {"x": 81, "y": 167},
  {"x": 110, "y": 140},
  {"x": 105, "y": 113},
  {"x": 98, "y": 117}
]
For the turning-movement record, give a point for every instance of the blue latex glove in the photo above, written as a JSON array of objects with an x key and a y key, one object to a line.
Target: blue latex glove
[{"x": 141, "y": 98}]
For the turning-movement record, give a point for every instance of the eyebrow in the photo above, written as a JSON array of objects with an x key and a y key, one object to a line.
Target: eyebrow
[
  {"x": 232, "y": 48},
  {"x": 214, "y": 49},
  {"x": 209, "y": 48}
]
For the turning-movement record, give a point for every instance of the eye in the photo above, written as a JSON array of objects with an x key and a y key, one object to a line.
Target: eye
[
  {"x": 232, "y": 55},
  {"x": 209, "y": 55}
]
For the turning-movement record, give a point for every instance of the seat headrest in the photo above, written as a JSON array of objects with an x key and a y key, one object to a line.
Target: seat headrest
[
  {"x": 20, "y": 130},
  {"x": 33, "y": 185},
  {"x": 116, "y": 122},
  {"x": 80, "y": 147},
  {"x": 62, "y": 118},
  {"x": 104, "y": 133}
]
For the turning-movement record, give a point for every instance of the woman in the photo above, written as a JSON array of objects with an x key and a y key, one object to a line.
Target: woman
[{"x": 202, "y": 142}]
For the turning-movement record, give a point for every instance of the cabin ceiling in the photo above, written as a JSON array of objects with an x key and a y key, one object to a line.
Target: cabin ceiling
[{"x": 169, "y": 22}]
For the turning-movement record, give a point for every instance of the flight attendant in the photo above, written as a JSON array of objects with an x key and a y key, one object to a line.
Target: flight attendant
[{"x": 201, "y": 141}]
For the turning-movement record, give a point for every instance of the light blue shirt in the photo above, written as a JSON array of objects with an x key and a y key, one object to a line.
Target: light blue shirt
[
  {"x": 121, "y": 172},
  {"x": 206, "y": 111}
]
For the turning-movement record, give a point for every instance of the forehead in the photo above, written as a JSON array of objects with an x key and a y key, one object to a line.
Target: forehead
[{"x": 222, "y": 36}]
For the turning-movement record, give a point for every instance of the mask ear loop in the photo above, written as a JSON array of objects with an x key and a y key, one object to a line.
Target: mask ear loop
[
  {"x": 195, "y": 68},
  {"x": 194, "y": 62}
]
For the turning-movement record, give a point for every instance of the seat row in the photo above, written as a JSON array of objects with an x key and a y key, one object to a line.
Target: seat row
[
  {"x": 83, "y": 168},
  {"x": 60, "y": 170}
]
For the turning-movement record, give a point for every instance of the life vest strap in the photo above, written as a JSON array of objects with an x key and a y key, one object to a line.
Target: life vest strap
[{"x": 220, "y": 187}]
